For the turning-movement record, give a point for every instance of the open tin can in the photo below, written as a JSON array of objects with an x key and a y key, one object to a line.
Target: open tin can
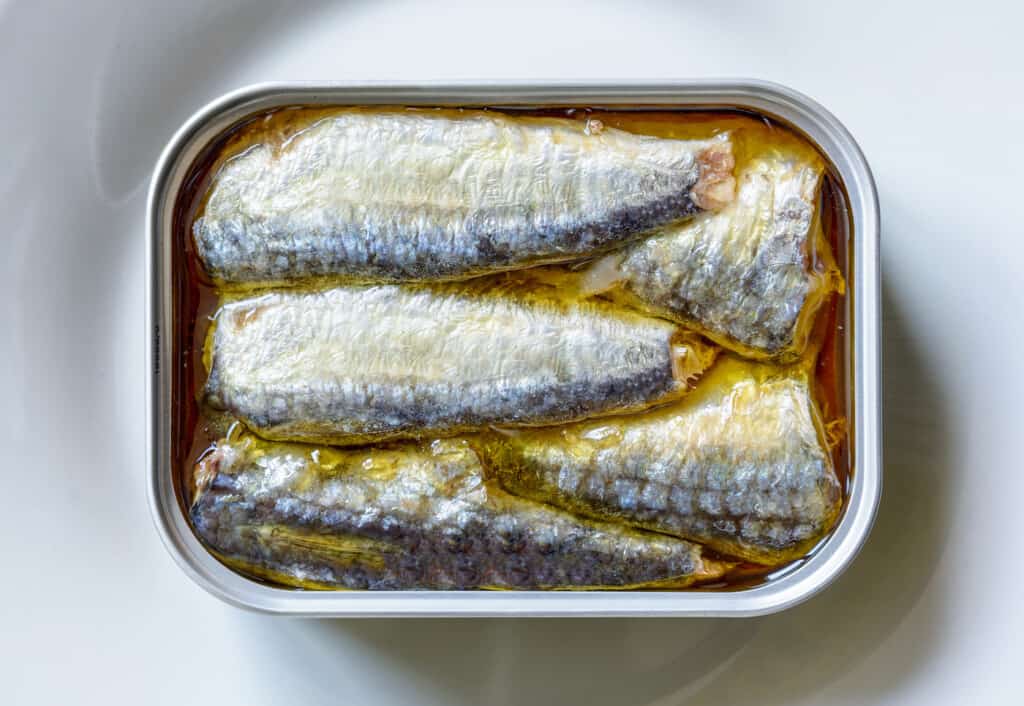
[{"x": 860, "y": 315}]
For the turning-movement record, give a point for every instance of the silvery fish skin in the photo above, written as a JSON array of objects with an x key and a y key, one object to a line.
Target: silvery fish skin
[
  {"x": 740, "y": 465},
  {"x": 421, "y": 195},
  {"x": 752, "y": 276},
  {"x": 411, "y": 517},
  {"x": 364, "y": 363}
]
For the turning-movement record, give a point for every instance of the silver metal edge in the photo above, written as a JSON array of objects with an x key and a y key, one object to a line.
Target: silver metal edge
[{"x": 761, "y": 96}]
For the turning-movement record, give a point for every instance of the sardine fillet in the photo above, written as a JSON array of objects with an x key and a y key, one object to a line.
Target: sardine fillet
[
  {"x": 364, "y": 363},
  {"x": 411, "y": 518},
  {"x": 740, "y": 466},
  {"x": 753, "y": 275},
  {"x": 419, "y": 195}
]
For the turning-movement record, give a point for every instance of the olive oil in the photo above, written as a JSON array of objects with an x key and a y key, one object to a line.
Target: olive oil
[{"x": 195, "y": 427}]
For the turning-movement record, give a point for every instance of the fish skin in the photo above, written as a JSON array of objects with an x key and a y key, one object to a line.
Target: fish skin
[
  {"x": 739, "y": 465},
  {"x": 415, "y": 196},
  {"x": 358, "y": 364},
  {"x": 752, "y": 276},
  {"x": 411, "y": 517}
]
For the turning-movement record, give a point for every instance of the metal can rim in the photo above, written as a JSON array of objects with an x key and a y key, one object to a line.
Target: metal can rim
[{"x": 760, "y": 96}]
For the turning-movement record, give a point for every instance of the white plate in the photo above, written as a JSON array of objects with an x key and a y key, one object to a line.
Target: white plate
[{"x": 92, "y": 608}]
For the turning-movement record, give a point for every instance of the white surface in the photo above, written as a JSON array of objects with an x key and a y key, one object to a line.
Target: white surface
[{"x": 93, "y": 610}]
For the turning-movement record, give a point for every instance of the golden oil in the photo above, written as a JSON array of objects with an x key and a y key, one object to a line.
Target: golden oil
[{"x": 195, "y": 298}]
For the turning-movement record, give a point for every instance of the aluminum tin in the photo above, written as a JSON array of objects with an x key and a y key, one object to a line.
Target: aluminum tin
[{"x": 863, "y": 357}]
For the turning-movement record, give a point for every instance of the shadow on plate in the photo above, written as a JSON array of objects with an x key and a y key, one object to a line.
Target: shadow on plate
[{"x": 777, "y": 659}]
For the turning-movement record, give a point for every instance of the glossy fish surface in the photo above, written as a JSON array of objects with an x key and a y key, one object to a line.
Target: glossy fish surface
[
  {"x": 364, "y": 363},
  {"x": 751, "y": 276},
  {"x": 740, "y": 465},
  {"x": 426, "y": 195},
  {"x": 411, "y": 517}
]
